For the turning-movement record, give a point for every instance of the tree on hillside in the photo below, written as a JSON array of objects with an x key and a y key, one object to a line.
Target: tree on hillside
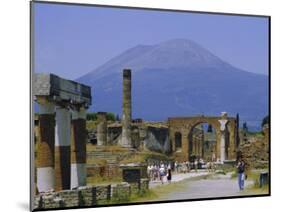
[
  {"x": 265, "y": 121},
  {"x": 245, "y": 127}
]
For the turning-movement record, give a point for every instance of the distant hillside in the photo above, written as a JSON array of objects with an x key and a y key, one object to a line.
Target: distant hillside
[{"x": 179, "y": 78}]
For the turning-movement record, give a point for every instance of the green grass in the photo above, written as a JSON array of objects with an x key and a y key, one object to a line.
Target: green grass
[
  {"x": 257, "y": 190},
  {"x": 142, "y": 157},
  {"x": 98, "y": 180}
]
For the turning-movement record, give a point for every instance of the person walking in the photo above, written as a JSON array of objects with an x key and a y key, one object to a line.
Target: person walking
[
  {"x": 162, "y": 173},
  {"x": 176, "y": 167},
  {"x": 196, "y": 165},
  {"x": 169, "y": 175},
  {"x": 241, "y": 173}
]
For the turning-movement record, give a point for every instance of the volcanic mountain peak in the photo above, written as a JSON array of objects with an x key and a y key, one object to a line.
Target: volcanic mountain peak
[{"x": 176, "y": 53}]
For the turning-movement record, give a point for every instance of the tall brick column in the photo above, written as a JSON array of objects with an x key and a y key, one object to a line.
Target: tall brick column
[
  {"x": 78, "y": 148},
  {"x": 45, "y": 148},
  {"x": 62, "y": 149},
  {"x": 102, "y": 129},
  {"x": 127, "y": 109}
]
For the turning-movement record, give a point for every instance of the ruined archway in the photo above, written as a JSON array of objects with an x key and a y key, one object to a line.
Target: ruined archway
[
  {"x": 202, "y": 140},
  {"x": 224, "y": 126}
]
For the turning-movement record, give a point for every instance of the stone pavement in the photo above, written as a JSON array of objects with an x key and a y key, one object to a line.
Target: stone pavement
[
  {"x": 179, "y": 177},
  {"x": 216, "y": 186}
]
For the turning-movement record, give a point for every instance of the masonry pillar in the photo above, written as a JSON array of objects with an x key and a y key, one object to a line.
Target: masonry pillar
[
  {"x": 223, "y": 123},
  {"x": 185, "y": 145},
  {"x": 102, "y": 129},
  {"x": 193, "y": 145},
  {"x": 62, "y": 149},
  {"x": 78, "y": 148},
  {"x": 45, "y": 146},
  {"x": 126, "y": 140},
  {"x": 59, "y": 166},
  {"x": 232, "y": 149}
]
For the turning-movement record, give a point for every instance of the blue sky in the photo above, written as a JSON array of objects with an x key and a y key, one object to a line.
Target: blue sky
[{"x": 71, "y": 41}]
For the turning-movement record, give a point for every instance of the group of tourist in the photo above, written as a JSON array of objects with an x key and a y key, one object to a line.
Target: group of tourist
[
  {"x": 196, "y": 164},
  {"x": 160, "y": 172}
]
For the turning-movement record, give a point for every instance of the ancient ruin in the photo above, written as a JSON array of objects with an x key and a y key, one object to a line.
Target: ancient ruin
[
  {"x": 67, "y": 160},
  {"x": 126, "y": 139},
  {"x": 102, "y": 129},
  {"x": 61, "y": 155},
  {"x": 180, "y": 128}
]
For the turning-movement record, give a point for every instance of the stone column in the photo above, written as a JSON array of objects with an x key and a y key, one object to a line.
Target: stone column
[
  {"x": 185, "y": 146},
  {"x": 223, "y": 123},
  {"x": 102, "y": 129},
  {"x": 78, "y": 148},
  {"x": 193, "y": 145},
  {"x": 232, "y": 149},
  {"x": 218, "y": 143},
  {"x": 62, "y": 149},
  {"x": 126, "y": 140},
  {"x": 45, "y": 146}
]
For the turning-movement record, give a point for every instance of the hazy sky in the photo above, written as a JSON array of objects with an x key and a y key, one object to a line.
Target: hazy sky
[{"x": 73, "y": 40}]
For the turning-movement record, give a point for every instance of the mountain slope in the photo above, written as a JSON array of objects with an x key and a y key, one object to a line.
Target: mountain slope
[{"x": 178, "y": 78}]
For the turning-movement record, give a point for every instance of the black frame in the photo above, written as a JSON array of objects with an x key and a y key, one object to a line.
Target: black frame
[{"x": 152, "y": 9}]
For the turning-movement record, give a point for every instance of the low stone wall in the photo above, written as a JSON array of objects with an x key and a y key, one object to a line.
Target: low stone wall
[{"x": 89, "y": 195}]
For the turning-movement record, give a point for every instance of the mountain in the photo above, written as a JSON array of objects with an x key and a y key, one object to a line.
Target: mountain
[{"x": 178, "y": 78}]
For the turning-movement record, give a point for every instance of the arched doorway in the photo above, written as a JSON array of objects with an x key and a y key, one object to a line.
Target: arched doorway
[
  {"x": 178, "y": 141},
  {"x": 202, "y": 142}
]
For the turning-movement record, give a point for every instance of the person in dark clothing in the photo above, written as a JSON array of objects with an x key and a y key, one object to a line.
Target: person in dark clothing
[
  {"x": 169, "y": 175},
  {"x": 241, "y": 173}
]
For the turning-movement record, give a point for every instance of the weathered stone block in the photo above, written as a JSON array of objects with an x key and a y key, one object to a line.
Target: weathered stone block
[{"x": 61, "y": 89}]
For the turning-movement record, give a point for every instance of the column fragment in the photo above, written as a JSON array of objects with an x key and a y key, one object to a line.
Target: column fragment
[
  {"x": 62, "y": 149},
  {"x": 223, "y": 123},
  {"x": 45, "y": 146},
  {"x": 78, "y": 148},
  {"x": 102, "y": 129}
]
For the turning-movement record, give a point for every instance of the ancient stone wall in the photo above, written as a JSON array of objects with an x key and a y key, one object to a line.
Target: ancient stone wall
[
  {"x": 143, "y": 137},
  {"x": 88, "y": 195}
]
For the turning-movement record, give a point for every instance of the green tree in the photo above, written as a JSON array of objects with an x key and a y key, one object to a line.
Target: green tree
[
  {"x": 110, "y": 117},
  {"x": 91, "y": 116},
  {"x": 117, "y": 118},
  {"x": 265, "y": 121},
  {"x": 245, "y": 127}
]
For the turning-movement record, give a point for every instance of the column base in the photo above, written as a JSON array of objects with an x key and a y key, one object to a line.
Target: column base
[
  {"x": 78, "y": 175},
  {"x": 45, "y": 179}
]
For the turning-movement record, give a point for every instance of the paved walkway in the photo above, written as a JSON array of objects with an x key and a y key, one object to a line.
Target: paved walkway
[
  {"x": 217, "y": 186},
  {"x": 179, "y": 177}
]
